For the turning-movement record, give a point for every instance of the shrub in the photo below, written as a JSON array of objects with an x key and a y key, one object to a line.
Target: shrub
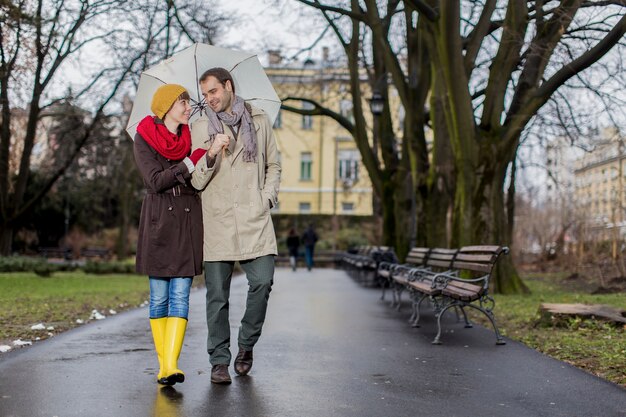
[
  {"x": 351, "y": 237},
  {"x": 45, "y": 269},
  {"x": 108, "y": 268},
  {"x": 20, "y": 264}
]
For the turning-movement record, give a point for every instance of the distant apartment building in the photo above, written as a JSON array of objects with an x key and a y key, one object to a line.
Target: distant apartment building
[
  {"x": 322, "y": 169},
  {"x": 600, "y": 178},
  {"x": 19, "y": 119}
]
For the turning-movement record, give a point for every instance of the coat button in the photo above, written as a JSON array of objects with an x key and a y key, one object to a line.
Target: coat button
[
  {"x": 170, "y": 208},
  {"x": 251, "y": 204},
  {"x": 249, "y": 168},
  {"x": 187, "y": 209},
  {"x": 250, "y": 186},
  {"x": 236, "y": 186},
  {"x": 236, "y": 205}
]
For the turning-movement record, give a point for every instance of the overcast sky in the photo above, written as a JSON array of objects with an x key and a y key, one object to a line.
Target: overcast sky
[{"x": 263, "y": 26}]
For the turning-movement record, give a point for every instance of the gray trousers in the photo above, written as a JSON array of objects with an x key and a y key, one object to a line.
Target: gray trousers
[{"x": 217, "y": 276}]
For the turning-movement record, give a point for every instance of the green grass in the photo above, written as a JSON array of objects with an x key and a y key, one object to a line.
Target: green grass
[
  {"x": 59, "y": 300},
  {"x": 594, "y": 346}
]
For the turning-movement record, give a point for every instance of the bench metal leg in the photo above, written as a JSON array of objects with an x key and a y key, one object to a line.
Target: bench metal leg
[
  {"x": 394, "y": 295},
  {"x": 399, "y": 304},
  {"x": 397, "y": 293},
  {"x": 415, "y": 322},
  {"x": 456, "y": 312},
  {"x": 489, "y": 314},
  {"x": 468, "y": 324},
  {"x": 382, "y": 296},
  {"x": 437, "y": 339},
  {"x": 412, "y": 296}
]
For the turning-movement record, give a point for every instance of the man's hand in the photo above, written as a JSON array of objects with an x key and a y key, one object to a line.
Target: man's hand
[{"x": 220, "y": 142}]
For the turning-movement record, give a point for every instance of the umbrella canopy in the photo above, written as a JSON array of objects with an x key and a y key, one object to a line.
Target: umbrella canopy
[{"x": 185, "y": 67}]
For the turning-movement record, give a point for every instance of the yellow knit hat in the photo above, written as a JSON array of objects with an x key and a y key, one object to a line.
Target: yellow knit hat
[{"x": 164, "y": 98}]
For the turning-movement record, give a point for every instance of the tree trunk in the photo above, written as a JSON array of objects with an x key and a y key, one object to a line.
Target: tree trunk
[
  {"x": 441, "y": 182},
  {"x": 404, "y": 213},
  {"x": 6, "y": 239},
  {"x": 121, "y": 246},
  {"x": 387, "y": 205},
  {"x": 484, "y": 208}
]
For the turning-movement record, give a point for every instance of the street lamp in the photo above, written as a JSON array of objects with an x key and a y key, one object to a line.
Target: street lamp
[{"x": 376, "y": 103}]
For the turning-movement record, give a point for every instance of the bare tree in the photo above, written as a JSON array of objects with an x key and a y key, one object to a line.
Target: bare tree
[
  {"x": 487, "y": 68},
  {"x": 41, "y": 43}
]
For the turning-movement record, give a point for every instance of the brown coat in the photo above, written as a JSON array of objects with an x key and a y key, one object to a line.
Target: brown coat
[
  {"x": 237, "y": 195},
  {"x": 170, "y": 226}
]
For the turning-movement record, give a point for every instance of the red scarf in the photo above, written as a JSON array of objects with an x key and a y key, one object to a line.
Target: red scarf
[{"x": 168, "y": 144}]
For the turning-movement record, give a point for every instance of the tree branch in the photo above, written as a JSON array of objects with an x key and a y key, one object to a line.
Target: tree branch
[
  {"x": 584, "y": 61},
  {"x": 318, "y": 110},
  {"x": 423, "y": 8},
  {"x": 504, "y": 63},
  {"x": 516, "y": 121},
  {"x": 477, "y": 35},
  {"x": 392, "y": 63},
  {"x": 326, "y": 8},
  {"x": 99, "y": 114}
]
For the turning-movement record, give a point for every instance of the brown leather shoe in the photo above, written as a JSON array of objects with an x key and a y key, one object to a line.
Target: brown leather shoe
[
  {"x": 220, "y": 375},
  {"x": 243, "y": 361}
]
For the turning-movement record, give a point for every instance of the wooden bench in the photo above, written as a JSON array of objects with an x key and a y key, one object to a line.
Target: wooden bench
[
  {"x": 466, "y": 284},
  {"x": 419, "y": 280},
  {"x": 102, "y": 253},
  {"x": 420, "y": 277},
  {"x": 55, "y": 252},
  {"x": 350, "y": 258},
  {"x": 416, "y": 258},
  {"x": 363, "y": 265}
]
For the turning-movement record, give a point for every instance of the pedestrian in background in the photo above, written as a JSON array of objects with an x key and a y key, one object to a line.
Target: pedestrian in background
[
  {"x": 309, "y": 239},
  {"x": 293, "y": 245},
  {"x": 169, "y": 247}
]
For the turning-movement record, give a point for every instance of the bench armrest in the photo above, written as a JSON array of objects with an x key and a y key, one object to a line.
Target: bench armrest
[
  {"x": 390, "y": 266},
  {"x": 443, "y": 279}
]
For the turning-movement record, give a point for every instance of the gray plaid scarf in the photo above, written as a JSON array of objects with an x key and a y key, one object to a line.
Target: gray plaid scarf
[{"x": 247, "y": 133}]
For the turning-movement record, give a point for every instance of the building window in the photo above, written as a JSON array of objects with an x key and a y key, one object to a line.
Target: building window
[
  {"x": 307, "y": 120},
  {"x": 305, "y": 207},
  {"x": 346, "y": 109},
  {"x": 347, "y": 207},
  {"x": 278, "y": 123},
  {"x": 401, "y": 116},
  {"x": 349, "y": 165},
  {"x": 306, "y": 160}
]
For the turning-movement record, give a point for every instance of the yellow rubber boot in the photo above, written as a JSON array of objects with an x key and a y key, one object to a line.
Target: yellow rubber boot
[
  {"x": 174, "y": 336},
  {"x": 158, "y": 335}
]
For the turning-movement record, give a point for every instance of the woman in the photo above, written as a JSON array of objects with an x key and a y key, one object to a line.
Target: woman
[{"x": 169, "y": 249}]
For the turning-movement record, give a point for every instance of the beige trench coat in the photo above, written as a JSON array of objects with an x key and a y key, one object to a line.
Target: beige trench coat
[{"x": 237, "y": 195}]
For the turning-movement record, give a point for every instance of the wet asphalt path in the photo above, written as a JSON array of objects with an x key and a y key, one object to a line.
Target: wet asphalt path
[{"x": 329, "y": 348}]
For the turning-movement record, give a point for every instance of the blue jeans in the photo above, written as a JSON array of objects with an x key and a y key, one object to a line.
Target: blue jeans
[
  {"x": 169, "y": 297},
  {"x": 308, "y": 256}
]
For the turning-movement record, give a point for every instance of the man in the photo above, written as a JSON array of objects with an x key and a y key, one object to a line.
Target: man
[
  {"x": 309, "y": 238},
  {"x": 239, "y": 179}
]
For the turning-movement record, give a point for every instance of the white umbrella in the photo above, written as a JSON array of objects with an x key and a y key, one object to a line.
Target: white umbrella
[{"x": 185, "y": 67}]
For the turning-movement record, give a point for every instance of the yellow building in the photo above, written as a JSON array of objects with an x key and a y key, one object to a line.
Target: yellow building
[
  {"x": 600, "y": 180},
  {"x": 322, "y": 169}
]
